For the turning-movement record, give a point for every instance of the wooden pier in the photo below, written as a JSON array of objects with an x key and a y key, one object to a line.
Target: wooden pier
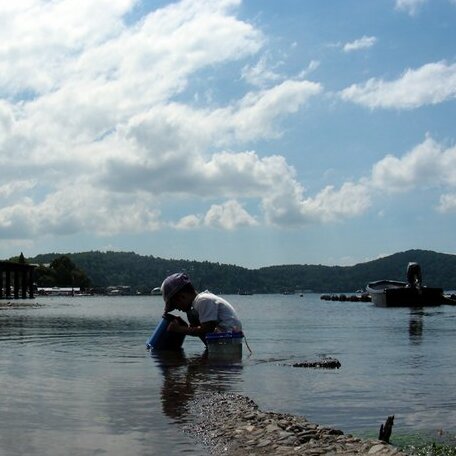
[{"x": 16, "y": 280}]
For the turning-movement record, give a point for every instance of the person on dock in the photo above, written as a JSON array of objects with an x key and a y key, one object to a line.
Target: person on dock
[{"x": 206, "y": 312}]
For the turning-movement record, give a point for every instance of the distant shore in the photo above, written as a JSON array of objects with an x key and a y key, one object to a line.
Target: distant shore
[{"x": 233, "y": 424}]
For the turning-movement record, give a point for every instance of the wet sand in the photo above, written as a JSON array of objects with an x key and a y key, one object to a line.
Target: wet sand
[{"x": 233, "y": 424}]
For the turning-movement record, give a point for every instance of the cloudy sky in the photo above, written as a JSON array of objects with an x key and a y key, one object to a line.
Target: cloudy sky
[{"x": 251, "y": 132}]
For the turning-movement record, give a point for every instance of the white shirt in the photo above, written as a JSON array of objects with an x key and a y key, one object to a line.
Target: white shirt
[{"x": 211, "y": 307}]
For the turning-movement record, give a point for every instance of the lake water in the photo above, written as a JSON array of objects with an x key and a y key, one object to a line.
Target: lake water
[{"x": 75, "y": 378}]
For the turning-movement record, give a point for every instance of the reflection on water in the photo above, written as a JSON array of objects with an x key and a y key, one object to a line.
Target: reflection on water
[
  {"x": 184, "y": 377},
  {"x": 76, "y": 380},
  {"x": 416, "y": 326}
]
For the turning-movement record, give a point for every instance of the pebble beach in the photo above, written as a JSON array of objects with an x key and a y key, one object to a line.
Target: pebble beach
[{"x": 229, "y": 423}]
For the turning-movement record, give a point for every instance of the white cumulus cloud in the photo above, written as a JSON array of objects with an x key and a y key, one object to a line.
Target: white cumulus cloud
[
  {"x": 291, "y": 207},
  {"x": 229, "y": 215},
  {"x": 429, "y": 164},
  {"x": 95, "y": 140},
  {"x": 430, "y": 84},
  {"x": 188, "y": 222}
]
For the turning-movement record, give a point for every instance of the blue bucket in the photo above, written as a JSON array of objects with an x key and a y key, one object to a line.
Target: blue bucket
[{"x": 161, "y": 339}]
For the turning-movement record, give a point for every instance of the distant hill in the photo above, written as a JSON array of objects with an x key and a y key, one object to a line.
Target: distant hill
[
  {"x": 438, "y": 270},
  {"x": 146, "y": 272}
]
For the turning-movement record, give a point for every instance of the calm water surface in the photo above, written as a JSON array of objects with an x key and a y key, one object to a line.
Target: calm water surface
[{"x": 75, "y": 377}]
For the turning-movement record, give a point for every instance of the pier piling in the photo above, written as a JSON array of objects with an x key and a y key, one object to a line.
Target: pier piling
[{"x": 16, "y": 280}]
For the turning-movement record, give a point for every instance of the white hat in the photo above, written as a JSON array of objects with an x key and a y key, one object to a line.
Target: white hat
[{"x": 171, "y": 285}]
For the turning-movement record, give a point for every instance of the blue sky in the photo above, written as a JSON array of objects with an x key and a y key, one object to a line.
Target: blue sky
[{"x": 252, "y": 132}]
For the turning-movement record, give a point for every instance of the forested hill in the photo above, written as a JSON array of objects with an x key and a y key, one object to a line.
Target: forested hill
[{"x": 146, "y": 272}]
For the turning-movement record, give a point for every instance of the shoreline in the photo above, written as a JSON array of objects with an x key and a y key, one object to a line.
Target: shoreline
[
  {"x": 16, "y": 304},
  {"x": 229, "y": 423}
]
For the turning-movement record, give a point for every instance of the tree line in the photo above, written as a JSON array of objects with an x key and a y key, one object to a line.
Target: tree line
[{"x": 142, "y": 273}]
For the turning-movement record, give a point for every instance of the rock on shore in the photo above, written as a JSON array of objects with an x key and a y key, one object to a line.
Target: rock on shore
[{"x": 233, "y": 424}]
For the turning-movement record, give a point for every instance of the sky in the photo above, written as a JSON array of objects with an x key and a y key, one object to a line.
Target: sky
[{"x": 255, "y": 132}]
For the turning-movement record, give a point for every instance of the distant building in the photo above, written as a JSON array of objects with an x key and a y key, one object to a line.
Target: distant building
[
  {"x": 119, "y": 290},
  {"x": 58, "y": 291}
]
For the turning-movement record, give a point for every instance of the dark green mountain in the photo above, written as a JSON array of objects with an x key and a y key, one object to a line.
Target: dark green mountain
[{"x": 146, "y": 272}]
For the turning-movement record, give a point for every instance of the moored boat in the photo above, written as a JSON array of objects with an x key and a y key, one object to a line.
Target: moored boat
[
  {"x": 156, "y": 291},
  {"x": 394, "y": 293}
]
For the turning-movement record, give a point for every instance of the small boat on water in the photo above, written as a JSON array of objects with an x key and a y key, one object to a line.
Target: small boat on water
[
  {"x": 156, "y": 291},
  {"x": 394, "y": 293}
]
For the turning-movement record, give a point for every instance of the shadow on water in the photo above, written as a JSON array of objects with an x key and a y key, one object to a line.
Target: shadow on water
[{"x": 186, "y": 377}]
